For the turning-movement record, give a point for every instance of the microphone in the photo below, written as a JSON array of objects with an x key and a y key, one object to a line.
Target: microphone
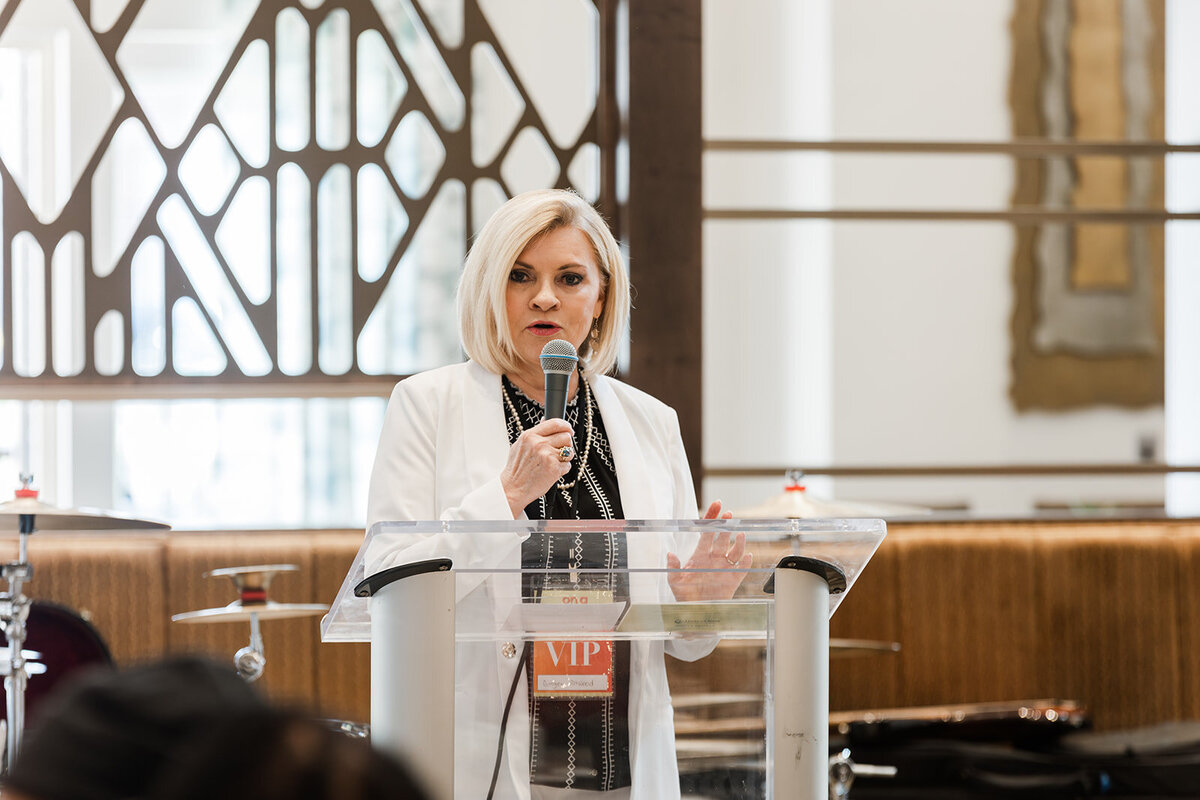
[{"x": 558, "y": 362}]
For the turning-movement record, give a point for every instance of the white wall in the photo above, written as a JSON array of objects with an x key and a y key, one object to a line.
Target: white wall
[{"x": 916, "y": 348}]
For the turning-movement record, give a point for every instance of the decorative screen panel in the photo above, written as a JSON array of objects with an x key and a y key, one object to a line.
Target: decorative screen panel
[{"x": 249, "y": 191}]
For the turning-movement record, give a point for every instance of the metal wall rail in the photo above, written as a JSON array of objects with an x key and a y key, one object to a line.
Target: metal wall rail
[
  {"x": 1020, "y": 148},
  {"x": 1024, "y": 216},
  {"x": 954, "y": 470},
  {"x": 1024, "y": 148}
]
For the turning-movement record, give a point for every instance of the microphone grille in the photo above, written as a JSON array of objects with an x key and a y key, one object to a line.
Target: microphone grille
[{"x": 558, "y": 356}]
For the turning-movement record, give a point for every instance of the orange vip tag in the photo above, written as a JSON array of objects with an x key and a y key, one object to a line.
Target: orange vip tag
[{"x": 576, "y": 667}]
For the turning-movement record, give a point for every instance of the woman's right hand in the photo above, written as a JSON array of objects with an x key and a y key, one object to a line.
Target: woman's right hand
[{"x": 534, "y": 464}]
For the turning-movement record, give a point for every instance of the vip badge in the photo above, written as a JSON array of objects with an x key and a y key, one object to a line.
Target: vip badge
[{"x": 577, "y": 667}]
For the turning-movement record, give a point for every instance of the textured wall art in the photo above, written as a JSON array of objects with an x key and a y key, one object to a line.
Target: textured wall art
[
  {"x": 271, "y": 192},
  {"x": 1088, "y": 315}
]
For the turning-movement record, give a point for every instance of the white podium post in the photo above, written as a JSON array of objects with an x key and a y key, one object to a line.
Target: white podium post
[
  {"x": 800, "y": 667},
  {"x": 412, "y": 669}
]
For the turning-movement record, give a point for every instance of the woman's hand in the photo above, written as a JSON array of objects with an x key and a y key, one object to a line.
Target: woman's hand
[
  {"x": 713, "y": 552},
  {"x": 534, "y": 464}
]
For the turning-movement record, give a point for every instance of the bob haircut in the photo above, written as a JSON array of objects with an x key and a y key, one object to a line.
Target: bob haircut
[{"x": 482, "y": 312}]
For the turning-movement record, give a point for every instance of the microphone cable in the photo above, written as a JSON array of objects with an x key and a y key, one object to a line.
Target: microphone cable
[
  {"x": 512, "y": 691},
  {"x": 558, "y": 360}
]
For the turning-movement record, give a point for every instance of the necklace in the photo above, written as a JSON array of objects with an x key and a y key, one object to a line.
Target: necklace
[{"x": 588, "y": 429}]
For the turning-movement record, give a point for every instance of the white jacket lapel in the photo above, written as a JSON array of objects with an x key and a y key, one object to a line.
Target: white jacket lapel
[
  {"x": 485, "y": 432},
  {"x": 633, "y": 479}
]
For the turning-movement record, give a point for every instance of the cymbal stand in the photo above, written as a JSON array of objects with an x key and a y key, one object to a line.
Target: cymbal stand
[
  {"x": 14, "y": 611},
  {"x": 252, "y": 604},
  {"x": 250, "y": 660}
]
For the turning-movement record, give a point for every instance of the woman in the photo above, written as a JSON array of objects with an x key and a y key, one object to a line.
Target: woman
[{"x": 468, "y": 442}]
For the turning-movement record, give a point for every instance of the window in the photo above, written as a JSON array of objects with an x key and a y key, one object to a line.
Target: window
[{"x": 215, "y": 277}]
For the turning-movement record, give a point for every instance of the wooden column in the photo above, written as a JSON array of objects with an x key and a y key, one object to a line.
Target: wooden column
[{"x": 663, "y": 213}]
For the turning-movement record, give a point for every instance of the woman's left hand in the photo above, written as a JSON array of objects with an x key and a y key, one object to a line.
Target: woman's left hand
[{"x": 714, "y": 552}]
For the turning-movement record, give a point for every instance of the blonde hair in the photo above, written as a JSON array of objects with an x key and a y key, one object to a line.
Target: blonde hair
[{"x": 482, "y": 310}]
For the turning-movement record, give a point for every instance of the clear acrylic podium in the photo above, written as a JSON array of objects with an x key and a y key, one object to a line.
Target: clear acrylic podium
[{"x": 451, "y": 616}]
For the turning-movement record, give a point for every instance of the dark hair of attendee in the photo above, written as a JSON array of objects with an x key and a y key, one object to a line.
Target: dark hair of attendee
[
  {"x": 190, "y": 728},
  {"x": 282, "y": 756}
]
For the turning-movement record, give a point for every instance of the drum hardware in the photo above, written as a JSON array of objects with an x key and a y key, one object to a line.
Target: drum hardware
[
  {"x": 14, "y": 611},
  {"x": 355, "y": 730},
  {"x": 27, "y": 514},
  {"x": 253, "y": 605},
  {"x": 31, "y": 667}
]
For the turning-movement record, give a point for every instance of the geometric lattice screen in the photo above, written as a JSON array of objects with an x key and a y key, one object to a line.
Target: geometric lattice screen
[{"x": 253, "y": 191}]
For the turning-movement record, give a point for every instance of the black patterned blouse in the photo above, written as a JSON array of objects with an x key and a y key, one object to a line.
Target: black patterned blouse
[{"x": 577, "y": 743}]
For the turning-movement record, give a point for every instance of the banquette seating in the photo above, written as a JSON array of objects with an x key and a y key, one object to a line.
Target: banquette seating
[{"x": 1106, "y": 613}]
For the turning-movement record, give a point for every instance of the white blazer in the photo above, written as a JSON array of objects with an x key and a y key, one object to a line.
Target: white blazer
[{"x": 443, "y": 446}]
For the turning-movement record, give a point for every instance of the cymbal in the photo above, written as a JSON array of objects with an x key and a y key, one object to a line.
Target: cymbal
[
  {"x": 51, "y": 518},
  {"x": 838, "y": 648},
  {"x": 252, "y": 582},
  {"x": 253, "y": 575},
  {"x": 687, "y": 749},
  {"x": 691, "y": 700},
  {"x": 848, "y": 648},
  {"x": 795, "y": 502},
  {"x": 237, "y": 612}
]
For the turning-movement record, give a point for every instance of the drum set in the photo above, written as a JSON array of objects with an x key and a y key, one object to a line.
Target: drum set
[{"x": 51, "y": 641}]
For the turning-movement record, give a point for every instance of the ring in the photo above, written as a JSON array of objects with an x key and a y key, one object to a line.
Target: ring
[
  {"x": 730, "y": 561},
  {"x": 565, "y": 454}
]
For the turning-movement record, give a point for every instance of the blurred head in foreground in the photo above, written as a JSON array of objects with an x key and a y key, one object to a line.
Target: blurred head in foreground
[{"x": 186, "y": 729}]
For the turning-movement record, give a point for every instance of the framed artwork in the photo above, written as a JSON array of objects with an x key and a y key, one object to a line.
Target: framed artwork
[{"x": 1087, "y": 325}]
